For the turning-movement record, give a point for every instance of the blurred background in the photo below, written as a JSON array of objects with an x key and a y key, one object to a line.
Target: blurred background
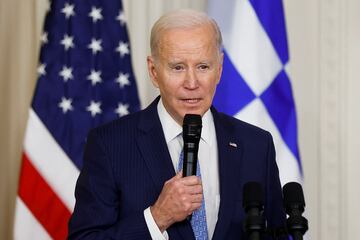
[{"x": 324, "y": 46}]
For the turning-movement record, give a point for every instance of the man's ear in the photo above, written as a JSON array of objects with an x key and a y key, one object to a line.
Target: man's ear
[
  {"x": 221, "y": 61},
  {"x": 152, "y": 70}
]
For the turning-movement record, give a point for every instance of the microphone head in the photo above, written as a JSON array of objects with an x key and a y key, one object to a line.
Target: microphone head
[
  {"x": 192, "y": 125},
  {"x": 293, "y": 196},
  {"x": 192, "y": 119},
  {"x": 252, "y": 195}
]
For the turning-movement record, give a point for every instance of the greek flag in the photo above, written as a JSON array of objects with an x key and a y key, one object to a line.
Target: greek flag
[{"x": 255, "y": 85}]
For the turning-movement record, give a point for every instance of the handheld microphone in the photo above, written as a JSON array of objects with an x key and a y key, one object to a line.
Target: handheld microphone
[
  {"x": 253, "y": 203},
  {"x": 191, "y": 134},
  {"x": 294, "y": 204}
]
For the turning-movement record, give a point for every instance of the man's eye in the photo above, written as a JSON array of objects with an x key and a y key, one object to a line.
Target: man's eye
[
  {"x": 178, "y": 68},
  {"x": 203, "y": 67}
]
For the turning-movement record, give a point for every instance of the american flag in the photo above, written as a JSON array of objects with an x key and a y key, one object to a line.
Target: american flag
[
  {"x": 85, "y": 79},
  {"x": 255, "y": 84}
]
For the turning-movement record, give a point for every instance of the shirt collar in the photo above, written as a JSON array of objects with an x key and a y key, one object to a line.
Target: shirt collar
[{"x": 172, "y": 129}]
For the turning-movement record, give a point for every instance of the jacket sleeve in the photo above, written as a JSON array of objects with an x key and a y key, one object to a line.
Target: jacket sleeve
[
  {"x": 274, "y": 210},
  {"x": 97, "y": 209}
]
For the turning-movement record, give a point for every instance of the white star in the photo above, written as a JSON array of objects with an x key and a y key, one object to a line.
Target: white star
[
  {"x": 122, "y": 109},
  {"x": 68, "y": 10},
  {"x": 123, "y": 79},
  {"x": 95, "y": 14},
  {"x": 67, "y": 41},
  {"x": 65, "y": 104},
  {"x": 121, "y": 18},
  {"x": 95, "y": 45},
  {"x": 66, "y": 73},
  {"x": 94, "y": 77},
  {"x": 44, "y": 38},
  {"x": 123, "y": 49},
  {"x": 41, "y": 69},
  {"x": 94, "y": 108}
]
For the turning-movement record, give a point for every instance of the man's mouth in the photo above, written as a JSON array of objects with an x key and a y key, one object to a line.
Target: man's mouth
[{"x": 191, "y": 100}]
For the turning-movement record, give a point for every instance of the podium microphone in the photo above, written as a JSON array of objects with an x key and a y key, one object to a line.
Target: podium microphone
[
  {"x": 253, "y": 203},
  {"x": 294, "y": 204},
  {"x": 191, "y": 134}
]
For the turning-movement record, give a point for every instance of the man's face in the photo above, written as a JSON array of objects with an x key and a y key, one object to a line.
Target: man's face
[{"x": 186, "y": 70}]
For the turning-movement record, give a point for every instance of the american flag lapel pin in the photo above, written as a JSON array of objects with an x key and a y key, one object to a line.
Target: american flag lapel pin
[{"x": 231, "y": 144}]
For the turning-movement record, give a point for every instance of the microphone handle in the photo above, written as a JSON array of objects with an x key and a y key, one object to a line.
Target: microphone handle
[
  {"x": 255, "y": 236},
  {"x": 297, "y": 235},
  {"x": 190, "y": 162},
  {"x": 190, "y": 159}
]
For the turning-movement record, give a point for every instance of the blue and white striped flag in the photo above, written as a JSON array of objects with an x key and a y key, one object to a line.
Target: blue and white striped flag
[
  {"x": 84, "y": 79},
  {"x": 255, "y": 85}
]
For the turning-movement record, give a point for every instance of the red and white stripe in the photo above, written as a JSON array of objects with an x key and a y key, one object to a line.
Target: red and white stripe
[{"x": 46, "y": 188}]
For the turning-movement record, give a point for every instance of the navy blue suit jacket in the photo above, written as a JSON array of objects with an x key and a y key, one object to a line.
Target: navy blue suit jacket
[{"x": 126, "y": 163}]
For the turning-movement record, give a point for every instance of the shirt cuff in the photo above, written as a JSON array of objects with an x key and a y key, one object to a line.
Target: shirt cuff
[{"x": 153, "y": 228}]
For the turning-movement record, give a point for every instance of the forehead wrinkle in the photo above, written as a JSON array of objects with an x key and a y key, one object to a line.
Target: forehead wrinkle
[
  {"x": 176, "y": 54},
  {"x": 201, "y": 49}
]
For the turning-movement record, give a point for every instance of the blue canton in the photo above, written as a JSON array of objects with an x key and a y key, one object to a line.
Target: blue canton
[{"x": 85, "y": 76}]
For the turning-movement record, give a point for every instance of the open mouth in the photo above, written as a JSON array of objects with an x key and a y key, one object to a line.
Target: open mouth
[{"x": 191, "y": 100}]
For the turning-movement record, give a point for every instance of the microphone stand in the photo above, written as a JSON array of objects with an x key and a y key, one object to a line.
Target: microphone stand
[
  {"x": 294, "y": 203},
  {"x": 253, "y": 203},
  {"x": 297, "y": 226},
  {"x": 254, "y": 227}
]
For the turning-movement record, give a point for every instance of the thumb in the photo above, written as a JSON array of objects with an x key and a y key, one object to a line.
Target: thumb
[{"x": 179, "y": 175}]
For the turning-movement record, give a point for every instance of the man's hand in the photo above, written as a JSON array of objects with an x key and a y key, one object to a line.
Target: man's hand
[{"x": 178, "y": 199}]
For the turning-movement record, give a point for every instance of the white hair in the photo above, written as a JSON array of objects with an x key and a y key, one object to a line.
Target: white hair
[{"x": 182, "y": 19}]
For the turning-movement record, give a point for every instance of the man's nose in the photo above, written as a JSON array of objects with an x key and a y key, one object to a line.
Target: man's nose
[{"x": 191, "y": 79}]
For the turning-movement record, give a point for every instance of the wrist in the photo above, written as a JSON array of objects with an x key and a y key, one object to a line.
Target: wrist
[{"x": 161, "y": 220}]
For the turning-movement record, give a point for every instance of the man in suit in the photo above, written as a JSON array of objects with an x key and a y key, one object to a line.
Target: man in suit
[{"x": 131, "y": 186}]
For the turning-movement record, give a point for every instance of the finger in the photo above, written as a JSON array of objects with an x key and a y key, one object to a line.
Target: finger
[
  {"x": 175, "y": 178},
  {"x": 196, "y": 198},
  {"x": 194, "y": 189},
  {"x": 194, "y": 207},
  {"x": 191, "y": 180},
  {"x": 179, "y": 175}
]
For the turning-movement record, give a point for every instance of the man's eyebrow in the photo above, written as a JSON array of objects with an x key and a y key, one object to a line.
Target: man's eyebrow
[
  {"x": 205, "y": 62},
  {"x": 173, "y": 63}
]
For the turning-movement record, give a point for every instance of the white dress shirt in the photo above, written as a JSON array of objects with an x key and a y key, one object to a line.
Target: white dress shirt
[{"x": 208, "y": 161}]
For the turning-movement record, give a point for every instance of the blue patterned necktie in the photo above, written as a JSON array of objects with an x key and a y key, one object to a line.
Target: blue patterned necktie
[{"x": 198, "y": 219}]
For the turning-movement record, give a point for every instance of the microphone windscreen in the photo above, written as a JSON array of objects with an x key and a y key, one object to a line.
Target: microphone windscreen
[
  {"x": 252, "y": 195},
  {"x": 192, "y": 128},
  {"x": 293, "y": 194},
  {"x": 192, "y": 119}
]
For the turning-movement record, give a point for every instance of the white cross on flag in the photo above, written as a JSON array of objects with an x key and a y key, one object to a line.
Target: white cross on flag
[{"x": 255, "y": 85}]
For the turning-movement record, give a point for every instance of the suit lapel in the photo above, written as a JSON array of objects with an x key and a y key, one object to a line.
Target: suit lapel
[
  {"x": 229, "y": 152},
  {"x": 153, "y": 147},
  {"x": 156, "y": 155}
]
